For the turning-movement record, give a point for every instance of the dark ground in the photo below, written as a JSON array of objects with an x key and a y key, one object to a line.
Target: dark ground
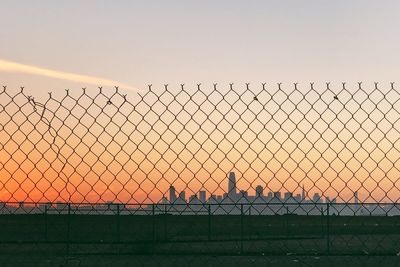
[
  {"x": 169, "y": 240},
  {"x": 200, "y": 261}
]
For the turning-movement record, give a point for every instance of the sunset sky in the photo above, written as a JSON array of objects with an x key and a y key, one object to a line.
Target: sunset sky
[
  {"x": 141, "y": 42},
  {"x": 50, "y": 46}
]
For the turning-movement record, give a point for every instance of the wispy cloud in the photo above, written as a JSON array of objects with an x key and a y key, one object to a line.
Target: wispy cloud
[{"x": 9, "y": 66}]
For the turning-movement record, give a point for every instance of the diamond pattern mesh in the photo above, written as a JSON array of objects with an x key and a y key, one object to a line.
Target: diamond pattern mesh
[
  {"x": 220, "y": 150},
  {"x": 97, "y": 146}
]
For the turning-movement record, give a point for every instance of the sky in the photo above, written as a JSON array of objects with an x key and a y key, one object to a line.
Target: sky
[
  {"x": 137, "y": 43},
  {"x": 49, "y": 46}
]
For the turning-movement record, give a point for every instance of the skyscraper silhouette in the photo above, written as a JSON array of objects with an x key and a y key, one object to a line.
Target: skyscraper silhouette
[
  {"x": 202, "y": 196},
  {"x": 232, "y": 186},
  {"x": 172, "y": 194},
  {"x": 259, "y": 191}
]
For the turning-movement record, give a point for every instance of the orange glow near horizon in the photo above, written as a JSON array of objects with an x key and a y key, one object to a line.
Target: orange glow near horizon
[{"x": 128, "y": 152}]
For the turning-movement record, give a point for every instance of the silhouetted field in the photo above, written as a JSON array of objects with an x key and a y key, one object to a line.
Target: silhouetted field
[
  {"x": 199, "y": 261},
  {"x": 198, "y": 235}
]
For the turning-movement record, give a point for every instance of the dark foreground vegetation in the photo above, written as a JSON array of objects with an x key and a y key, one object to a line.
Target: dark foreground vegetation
[{"x": 229, "y": 235}]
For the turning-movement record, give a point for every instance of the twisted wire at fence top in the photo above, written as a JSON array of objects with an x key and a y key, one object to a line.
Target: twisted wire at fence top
[{"x": 102, "y": 146}]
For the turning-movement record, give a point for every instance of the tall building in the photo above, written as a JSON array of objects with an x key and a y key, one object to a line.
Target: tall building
[
  {"x": 202, "y": 196},
  {"x": 303, "y": 193},
  {"x": 172, "y": 194},
  {"x": 259, "y": 191},
  {"x": 232, "y": 186}
]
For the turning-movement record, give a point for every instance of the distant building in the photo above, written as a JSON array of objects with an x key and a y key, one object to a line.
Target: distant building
[
  {"x": 288, "y": 196},
  {"x": 194, "y": 199},
  {"x": 244, "y": 196},
  {"x": 303, "y": 193},
  {"x": 202, "y": 196},
  {"x": 317, "y": 198},
  {"x": 213, "y": 199},
  {"x": 232, "y": 186},
  {"x": 182, "y": 196},
  {"x": 259, "y": 191},
  {"x": 356, "y": 198},
  {"x": 234, "y": 195},
  {"x": 172, "y": 194},
  {"x": 277, "y": 196}
]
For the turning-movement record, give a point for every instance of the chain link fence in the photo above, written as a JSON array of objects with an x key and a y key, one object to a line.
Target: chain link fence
[{"x": 324, "y": 157}]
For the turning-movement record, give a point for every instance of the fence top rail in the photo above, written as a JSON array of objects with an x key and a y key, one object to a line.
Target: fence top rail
[{"x": 66, "y": 204}]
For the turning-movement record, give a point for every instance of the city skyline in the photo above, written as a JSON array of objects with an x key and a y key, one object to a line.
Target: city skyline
[
  {"x": 204, "y": 133},
  {"x": 236, "y": 196}
]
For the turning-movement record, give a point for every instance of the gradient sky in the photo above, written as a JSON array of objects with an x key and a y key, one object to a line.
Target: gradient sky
[{"x": 141, "y": 42}]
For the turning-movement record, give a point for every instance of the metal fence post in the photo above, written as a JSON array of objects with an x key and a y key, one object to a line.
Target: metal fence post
[
  {"x": 165, "y": 222},
  {"x": 68, "y": 228},
  {"x": 153, "y": 223},
  {"x": 45, "y": 222},
  {"x": 209, "y": 222},
  {"x": 323, "y": 222},
  {"x": 328, "y": 242},
  {"x": 241, "y": 229},
  {"x": 118, "y": 225}
]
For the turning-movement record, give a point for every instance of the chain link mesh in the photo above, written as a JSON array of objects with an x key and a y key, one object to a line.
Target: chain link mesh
[
  {"x": 220, "y": 150},
  {"x": 103, "y": 146}
]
